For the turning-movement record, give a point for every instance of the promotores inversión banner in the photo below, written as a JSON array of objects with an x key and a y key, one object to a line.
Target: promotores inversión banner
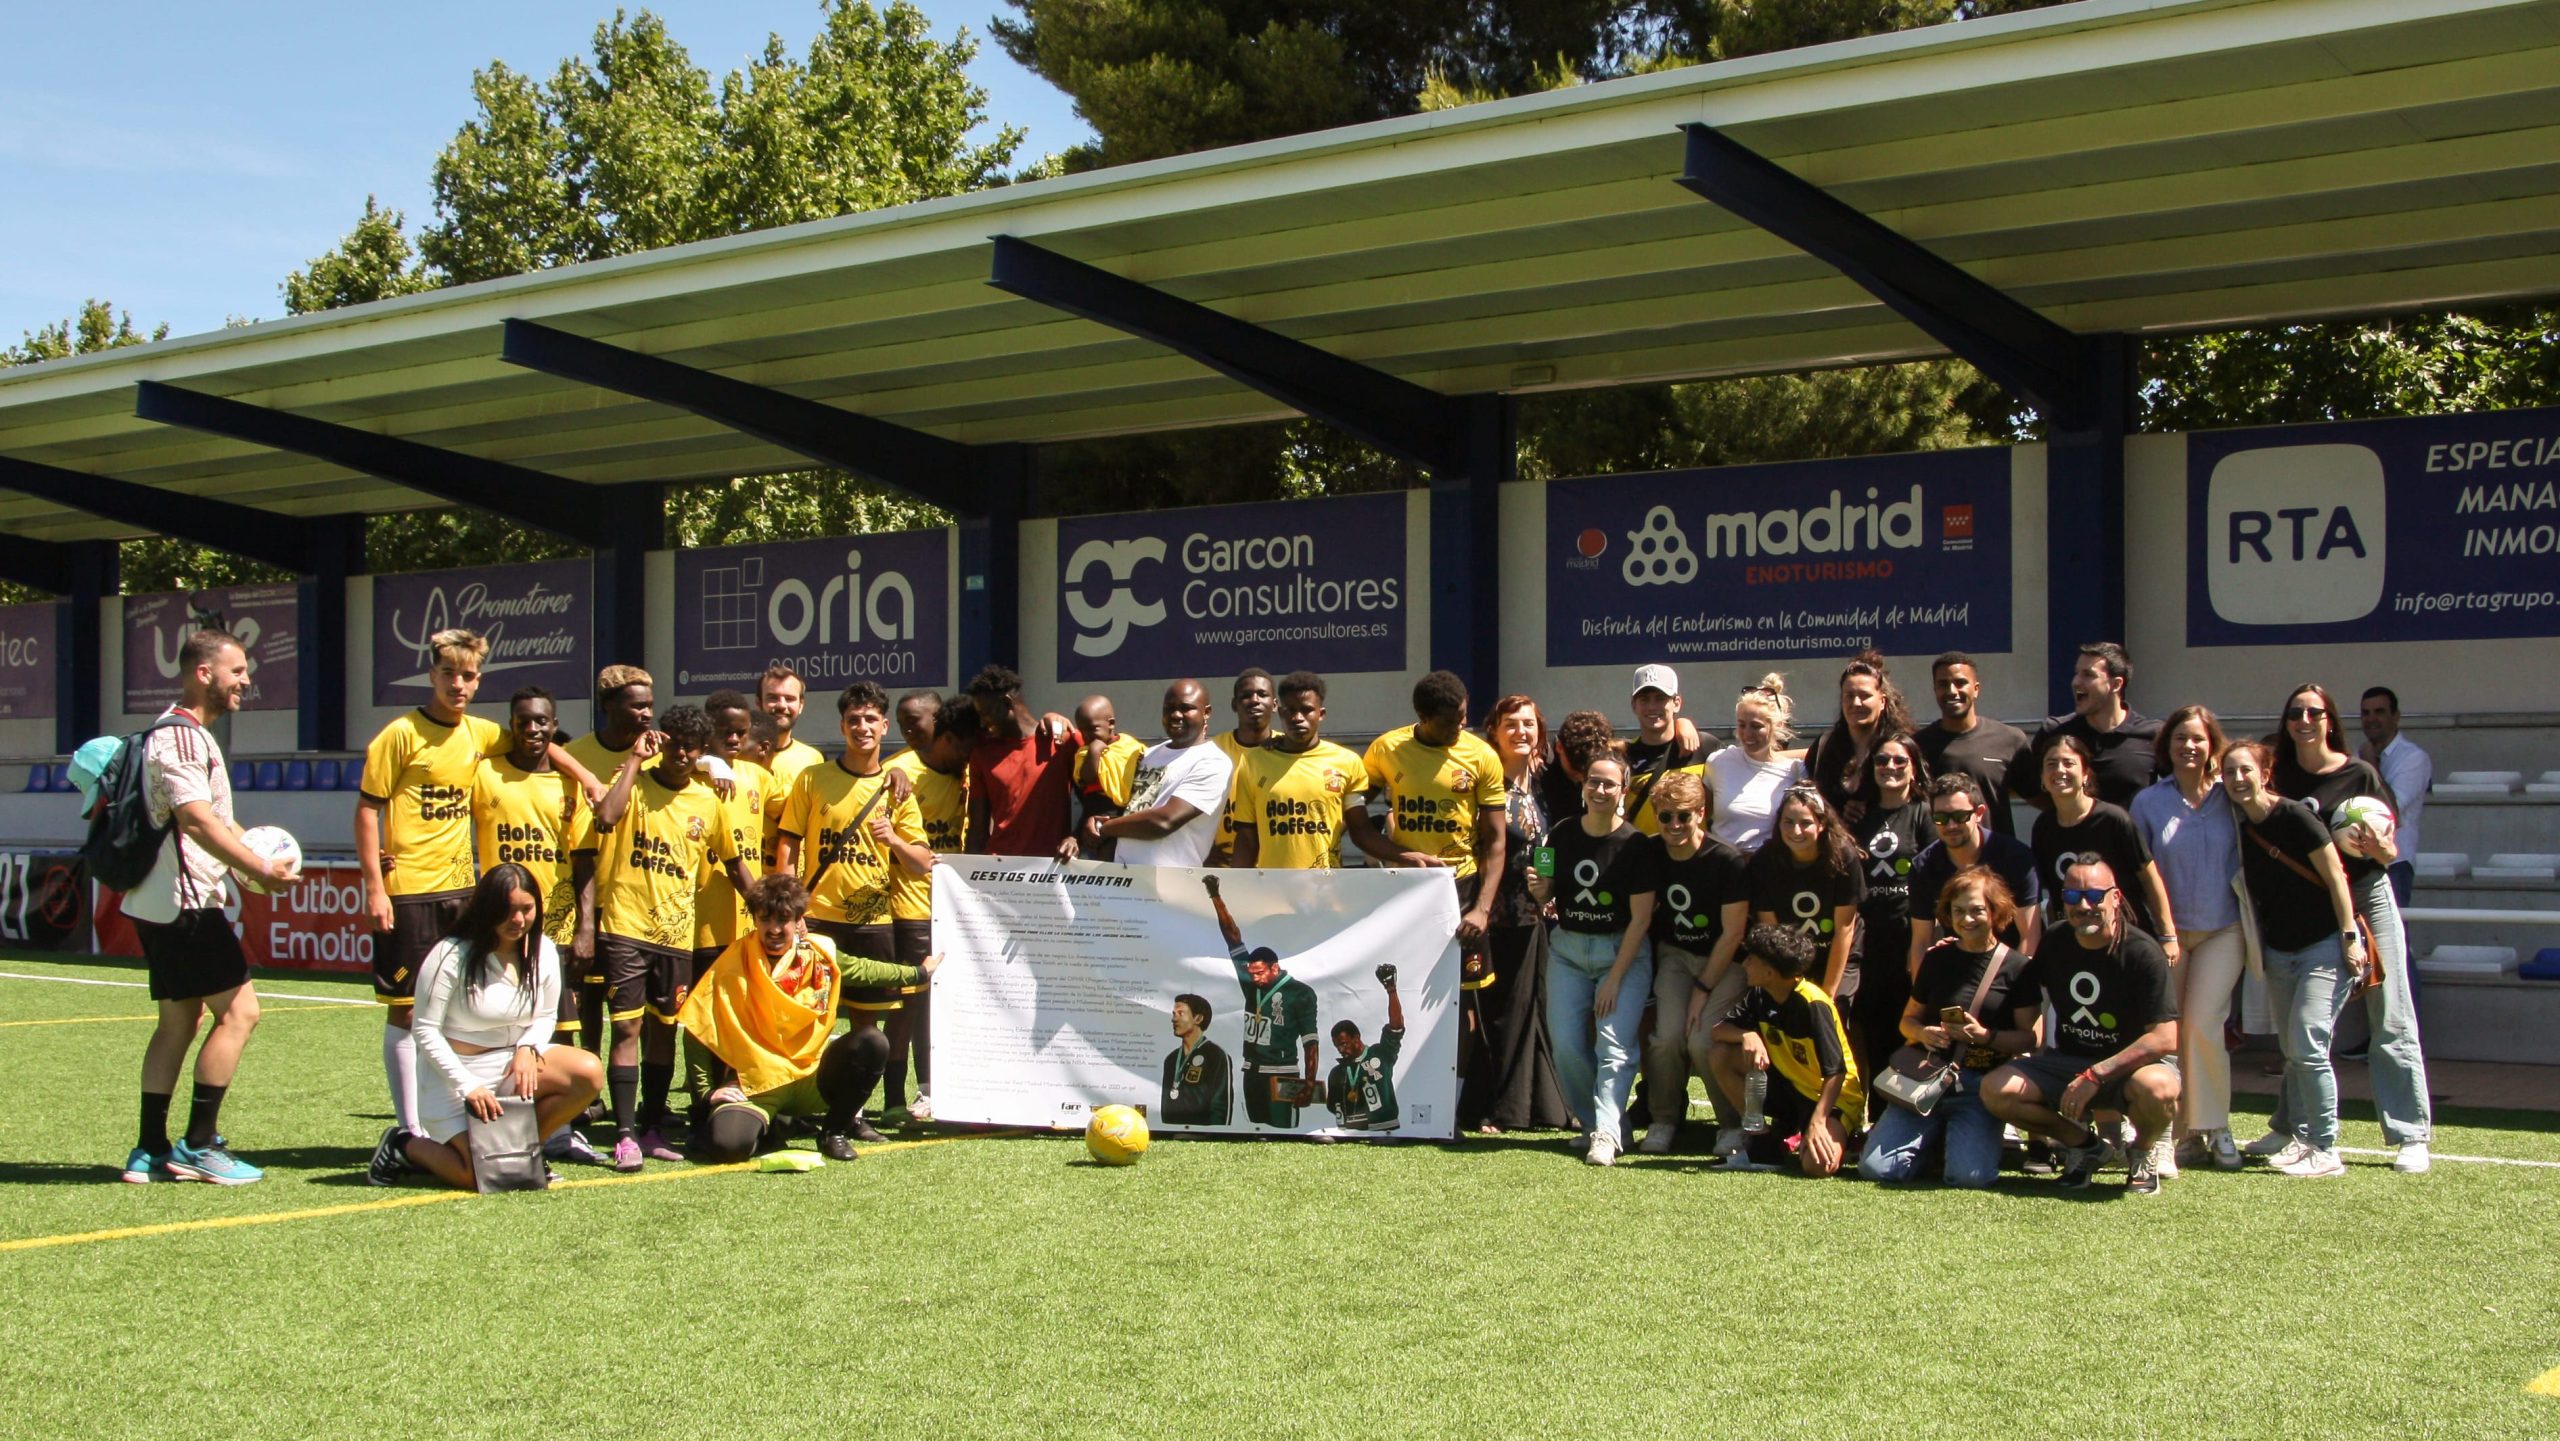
[{"x": 1067, "y": 987}]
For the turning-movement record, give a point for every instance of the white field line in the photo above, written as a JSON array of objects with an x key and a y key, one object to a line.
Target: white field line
[{"x": 144, "y": 985}]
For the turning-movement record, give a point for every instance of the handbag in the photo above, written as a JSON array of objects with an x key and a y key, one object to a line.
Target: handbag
[
  {"x": 1917, "y": 1079},
  {"x": 506, "y": 1154},
  {"x": 2366, "y": 976}
]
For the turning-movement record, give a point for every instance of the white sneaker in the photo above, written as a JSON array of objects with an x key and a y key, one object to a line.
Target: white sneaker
[
  {"x": 2291, "y": 1155},
  {"x": 2413, "y": 1159},
  {"x": 1658, "y": 1138},
  {"x": 1603, "y": 1152},
  {"x": 2164, "y": 1157},
  {"x": 921, "y": 1112},
  {"x": 2314, "y": 1165},
  {"x": 2273, "y": 1143}
]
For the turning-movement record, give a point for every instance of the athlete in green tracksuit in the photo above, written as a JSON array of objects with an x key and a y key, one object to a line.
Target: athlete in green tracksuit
[
  {"x": 1279, "y": 1028},
  {"x": 1361, "y": 1091}
]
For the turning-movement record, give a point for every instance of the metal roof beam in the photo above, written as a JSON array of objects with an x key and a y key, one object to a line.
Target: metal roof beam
[
  {"x": 1395, "y": 415},
  {"x": 926, "y": 466},
  {"x": 260, "y": 535},
  {"x": 44, "y": 564},
  {"x": 2046, "y": 365},
  {"x": 565, "y": 508}
]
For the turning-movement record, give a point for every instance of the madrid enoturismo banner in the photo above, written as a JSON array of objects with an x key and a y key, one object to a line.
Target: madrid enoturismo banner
[{"x": 1218, "y": 1001}]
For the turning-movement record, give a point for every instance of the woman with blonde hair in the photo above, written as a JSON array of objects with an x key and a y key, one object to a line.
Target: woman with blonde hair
[{"x": 1747, "y": 777}]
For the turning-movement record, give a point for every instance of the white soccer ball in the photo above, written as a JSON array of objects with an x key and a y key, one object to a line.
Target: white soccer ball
[
  {"x": 269, "y": 841},
  {"x": 2367, "y": 811}
]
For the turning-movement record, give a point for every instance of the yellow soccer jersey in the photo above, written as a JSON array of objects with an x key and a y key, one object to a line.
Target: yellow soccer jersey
[
  {"x": 1236, "y": 751},
  {"x": 719, "y": 912},
  {"x": 649, "y": 866},
  {"x": 589, "y": 750},
  {"x": 422, "y": 771},
  {"x": 1296, "y": 802},
  {"x": 852, "y": 878},
  {"x": 1119, "y": 769},
  {"x": 1435, "y": 792},
  {"x": 516, "y": 816},
  {"x": 943, "y": 801},
  {"x": 785, "y": 768}
]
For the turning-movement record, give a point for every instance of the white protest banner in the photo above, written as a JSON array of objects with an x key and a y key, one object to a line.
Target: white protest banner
[{"x": 1060, "y": 984}]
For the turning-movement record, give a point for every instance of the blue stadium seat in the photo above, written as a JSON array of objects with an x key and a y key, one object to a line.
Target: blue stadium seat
[
  {"x": 60, "y": 778},
  {"x": 350, "y": 774},
  {"x": 270, "y": 776},
  {"x": 244, "y": 776},
  {"x": 39, "y": 778},
  {"x": 297, "y": 775},
  {"x": 324, "y": 775}
]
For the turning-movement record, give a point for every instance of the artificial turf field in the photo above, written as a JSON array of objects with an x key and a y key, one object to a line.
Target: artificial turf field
[{"x": 1002, "y": 1285}]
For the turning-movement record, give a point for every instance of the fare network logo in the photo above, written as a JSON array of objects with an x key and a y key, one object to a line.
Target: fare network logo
[
  {"x": 2294, "y": 535},
  {"x": 1102, "y": 626}
]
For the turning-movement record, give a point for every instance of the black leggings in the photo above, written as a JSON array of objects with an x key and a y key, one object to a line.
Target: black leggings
[{"x": 848, "y": 1070}]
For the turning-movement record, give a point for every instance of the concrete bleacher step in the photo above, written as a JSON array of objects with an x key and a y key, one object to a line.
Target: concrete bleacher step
[
  {"x": 2441, "y": 865},
  {"x": 2487, "y": 962},
  {"x": 2549, "y": 785},
  {"x": 2518, "y": 866},
  {"x": 2479, "y": 783}
]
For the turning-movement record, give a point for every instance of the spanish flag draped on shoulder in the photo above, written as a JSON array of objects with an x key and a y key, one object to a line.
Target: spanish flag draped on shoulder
[{"x": 770, "y": 1033}]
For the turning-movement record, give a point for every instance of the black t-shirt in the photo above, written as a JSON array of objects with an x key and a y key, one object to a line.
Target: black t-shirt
[
  {"x": 1992, "y": 752},
  {"x": 1948, "y": 974},
  {"x": 1596, "y": 876},
  {"x": 2322, "y": 793},
  {"x": 2101, "y": 999},
  {"x": 1831, "y": 773},
  {"x": 2011, "y": 858},
  {"x": 1647, "y": 764},
  {"x": 2106, "y": 834},
  {"x": 1689, "y": 910},
  {"x": 1892, "y": 841},
  {"x": 2125, "y": 762},
  {"x": 2293, "y": 912},
  {"x": 1807, "y": 898}
]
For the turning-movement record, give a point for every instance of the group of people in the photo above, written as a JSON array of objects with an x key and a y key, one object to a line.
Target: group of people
[{"x": 1819, "y": 935}]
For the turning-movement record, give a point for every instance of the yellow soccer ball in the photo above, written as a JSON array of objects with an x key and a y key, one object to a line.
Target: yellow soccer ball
[{"x": 1116, "y": 1136}]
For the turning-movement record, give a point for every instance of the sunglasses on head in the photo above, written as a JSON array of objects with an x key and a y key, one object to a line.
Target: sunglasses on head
[{"x": 2092, "y": 897}]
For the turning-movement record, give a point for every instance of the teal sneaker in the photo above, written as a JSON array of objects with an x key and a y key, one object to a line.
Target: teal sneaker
[
  {"x": 142, "y": 1168},
  {"x": 213, "y": 1164}
]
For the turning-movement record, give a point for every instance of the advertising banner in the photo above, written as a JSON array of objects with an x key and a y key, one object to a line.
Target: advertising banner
[
  {"x": 2428, "y": 528},
  {"x": 28, "y": 634},
  {"x": 1905, "y": 553},
  {"x": 1312, "y": 583},
  {"x": 539, "y": 620},
  {"x": 316, "y": 924},
  {"x": 864, "y": 607},
  {"x": 264, "y": 617},
  {"x": 1063, "y": 989},
  {"x": 44, "y": 901}
]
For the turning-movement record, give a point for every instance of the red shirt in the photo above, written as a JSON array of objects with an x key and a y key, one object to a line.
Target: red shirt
[{"x": 1028, "y": 786}]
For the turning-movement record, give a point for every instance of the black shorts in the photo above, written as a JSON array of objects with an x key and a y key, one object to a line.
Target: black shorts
[
  {"x": 198, "y": 954},
  {"x": 875, "y": 943},
  {"x": 645, "y": 980},
  {"x": 909, "y": 943},
  {"x": 2051, "y": 1073},
  {"x": 417, "y": 924}
]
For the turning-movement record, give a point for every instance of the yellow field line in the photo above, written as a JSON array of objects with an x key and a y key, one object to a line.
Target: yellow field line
[
  {"x": 263, "y": 1011},
  {"x": 423, "y": 1198},
  {"x": 2546, "y": 1384}
]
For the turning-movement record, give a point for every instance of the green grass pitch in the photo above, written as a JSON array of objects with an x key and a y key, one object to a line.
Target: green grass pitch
[{"x": 1003, "y": 1286}]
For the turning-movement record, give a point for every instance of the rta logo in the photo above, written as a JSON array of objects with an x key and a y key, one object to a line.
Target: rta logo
[
  {"x": 1104, "y": 625},
  {"x": 2294, "y": 535}
]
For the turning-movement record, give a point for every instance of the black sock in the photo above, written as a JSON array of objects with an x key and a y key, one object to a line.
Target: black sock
[
  {"x": 155, "y": 1123},
  {"x": 655, "y": 1077},
  {"x": 204, "y": 1115},
  {"x": 622, "y": 1082},
  {"x": 847, "y": 1071}
]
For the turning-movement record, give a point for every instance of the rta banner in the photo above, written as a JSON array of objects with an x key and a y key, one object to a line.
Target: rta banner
[
  {"x": 2420, "y": 529},
  {"x": 1181, "y": 592},
  {"x": 28, "y": 636},
  {"x": 539, "y": 620},
  {"x": 44, "y": 901},
  {"x": 264, "y": 617},
  {"x": 316, "y": 924},
  {"x": 1905, "y": 553},
  {"x": 865, "y": 607},
  {"x": 1240, "y": 1002}
]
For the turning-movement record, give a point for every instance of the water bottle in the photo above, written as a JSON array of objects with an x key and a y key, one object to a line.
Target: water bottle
[{"x": 1755, "y": 1103}]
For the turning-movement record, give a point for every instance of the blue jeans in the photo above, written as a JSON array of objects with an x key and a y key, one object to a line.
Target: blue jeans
[
  {"x": 2398, "y": 1064},
  {"x": 1901, "y": 1139},
  {"x": 2309, "y": 991},
  {"x": 1595, "y": 1064}
]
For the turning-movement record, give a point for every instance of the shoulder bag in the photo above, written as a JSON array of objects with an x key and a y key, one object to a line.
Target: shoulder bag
[
  {"x": 1917, "y": 1079},
  {"x": 506, "y": 1154},
  {"x": 2365, "y": 977}
]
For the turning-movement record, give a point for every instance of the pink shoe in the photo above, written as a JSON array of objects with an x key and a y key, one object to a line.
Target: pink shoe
[
  {"x": 653, "y": 1145},
  {"x": 626, "y": 1154}
]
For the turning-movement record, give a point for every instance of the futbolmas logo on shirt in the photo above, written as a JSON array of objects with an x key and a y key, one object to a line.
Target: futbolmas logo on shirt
[
  {"x": 1589, "y": 903},
  {"x": 2082, "y": 1024}
]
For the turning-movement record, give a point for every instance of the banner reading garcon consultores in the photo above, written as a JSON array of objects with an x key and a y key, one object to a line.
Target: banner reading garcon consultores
[
  {"x": 1177, "y": 592},
  {"x": 1065, "y": 988},
  {"x": 539, "y": 620},
  {"x": 264, "y": 617},
  {"x": 27, "y": 637},
  {"x": 1771, "y": 562},
  {"x": 861, "y": 607},
  {"x": 2420, "y": 529}
]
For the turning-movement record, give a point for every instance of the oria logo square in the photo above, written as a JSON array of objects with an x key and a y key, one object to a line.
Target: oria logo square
[{"x": 2294, "y": 535}]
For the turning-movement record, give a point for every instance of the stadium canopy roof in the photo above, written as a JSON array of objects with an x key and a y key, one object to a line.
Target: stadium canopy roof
[{"x": 2118, "y": 165}]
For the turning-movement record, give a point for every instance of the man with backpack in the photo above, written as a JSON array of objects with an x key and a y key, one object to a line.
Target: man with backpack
[{"x": 176, "y": 808}]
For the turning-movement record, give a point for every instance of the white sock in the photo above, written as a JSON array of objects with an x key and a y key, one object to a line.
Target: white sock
[{"x": 400, "y": 1067}]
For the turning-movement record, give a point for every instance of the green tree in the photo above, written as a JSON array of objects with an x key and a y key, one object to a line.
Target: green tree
[
  {"x": 373, "y": 262},
  {"x": 98, "y": 326}
]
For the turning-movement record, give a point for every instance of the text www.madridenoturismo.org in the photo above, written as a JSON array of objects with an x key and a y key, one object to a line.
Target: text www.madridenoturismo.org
[
  {"x": 1259, "y": 635},
  {"x": 2488, "y": 600},
  {"x": 1763, "y": 644}
]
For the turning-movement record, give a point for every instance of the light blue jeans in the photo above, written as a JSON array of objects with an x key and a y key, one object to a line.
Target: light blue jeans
[
  {"x": 1595, "y": 1064},
  {"x": 1901, "y": 1139},
  {"x": 2398, "y": 1062},
  {"x": 2309, "y": 991}
]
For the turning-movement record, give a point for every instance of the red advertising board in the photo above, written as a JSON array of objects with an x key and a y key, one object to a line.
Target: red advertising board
[{"x": 316, "y": 924}]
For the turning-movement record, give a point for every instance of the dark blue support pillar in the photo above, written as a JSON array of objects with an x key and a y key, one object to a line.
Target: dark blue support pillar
[
  {"x": 1466, "y": 554},
  {"x": 636, "y": 524},
  {"x": 336, "y": 552},
  {"x": 991, "y": 562},
  {"x": 2085, "y": 517},
  {"x": 81, "y": 662}
]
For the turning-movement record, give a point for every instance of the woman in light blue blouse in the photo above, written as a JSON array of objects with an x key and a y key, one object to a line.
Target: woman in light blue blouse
[{"x": 2187, "y": 821}]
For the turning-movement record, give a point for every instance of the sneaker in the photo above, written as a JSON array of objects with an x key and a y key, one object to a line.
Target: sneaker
[
  {"x": 2291, "y": 1155},
  {"x": 2164, "y": 1159},
  {"x": 2142, "y": 1178},
  {"x": 212, "y": 1164},
  {"x": 861, "y": 1130},
  {"x": 2412, "y": 1159},
  {"x": 2079, "y": 1163},
  {"x": 653, "y": 1144},
  {"x": 921, "y": 1110},
  {"x": 2226, "y": 1151},
  {"x": 2273, "y": 1143},
  {"x": 571, "y": 1146},
  {"x": 390, "y": 1159},
  {"x": 894, "y": 1117},
  {"x": 836, "y": 1146},
  {"x": 1603, "y": 1152},
  {"x": 626, "y": 1155},
  {"x": 1658, "y": 1138},
  {"x": 1732, "y": 1141},
  {"x": 2315, "y": 1165},
  {"x": 142, "y": 1168}
]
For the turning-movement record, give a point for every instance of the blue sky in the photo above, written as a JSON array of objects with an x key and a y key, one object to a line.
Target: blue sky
[{"x": 178, "y": 159}]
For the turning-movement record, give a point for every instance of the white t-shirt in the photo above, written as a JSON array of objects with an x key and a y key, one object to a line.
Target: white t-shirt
[
  {"x": 2410, "y": 772},
  {"x": 1747, "y": 794},
  {"x": 181, "y": 765},
  {"x": 1196, "y": 773}
]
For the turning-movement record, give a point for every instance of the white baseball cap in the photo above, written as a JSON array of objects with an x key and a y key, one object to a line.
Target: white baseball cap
[{"x": 1655, "y": 677}]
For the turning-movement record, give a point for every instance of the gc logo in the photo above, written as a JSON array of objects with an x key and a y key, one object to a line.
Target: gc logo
[{"x": 1106, "y": 625}]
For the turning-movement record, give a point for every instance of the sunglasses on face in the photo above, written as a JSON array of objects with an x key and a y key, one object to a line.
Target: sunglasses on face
[
  {"x": 1679, "y": 818},
  {"x": 1950, "y": 818},
  {"x": 1890, "y": 759},
  {"x": 2090, "y": 899},
  {"x": 2303, "y": 712}
]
